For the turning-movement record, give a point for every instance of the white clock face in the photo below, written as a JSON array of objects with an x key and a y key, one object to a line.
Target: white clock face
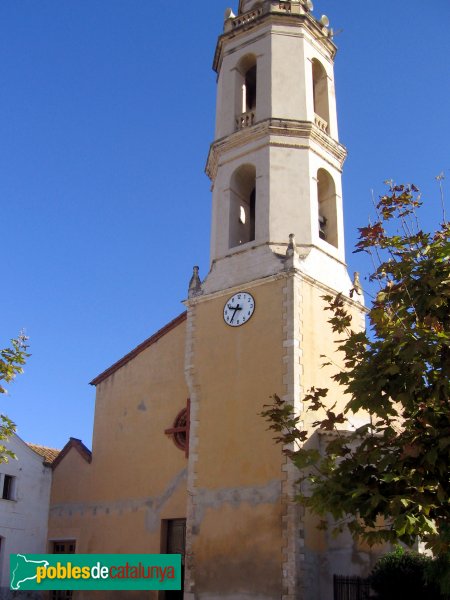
[{"x": 238, "y": 309}]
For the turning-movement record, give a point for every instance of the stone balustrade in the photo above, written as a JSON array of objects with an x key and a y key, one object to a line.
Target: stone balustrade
[
  {"x": 247, "y": 17},
  {"x": 321, "y": 123},
  {"x": 245, "y": 120},
  {"x": 287, "y": 6}
]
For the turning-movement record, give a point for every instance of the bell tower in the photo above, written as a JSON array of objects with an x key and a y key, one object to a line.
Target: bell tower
[
  {"x": 257, "y": 323},
  {"x": 276, "y": 161}
]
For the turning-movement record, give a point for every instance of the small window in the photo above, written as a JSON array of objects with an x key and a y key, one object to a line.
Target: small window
[
  {"x": 8, "y": 487},
  {"x": 64, "y": 547}
]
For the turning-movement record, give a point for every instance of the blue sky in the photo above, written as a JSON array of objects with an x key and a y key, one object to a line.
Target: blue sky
[{"x": 106, "y": 116}]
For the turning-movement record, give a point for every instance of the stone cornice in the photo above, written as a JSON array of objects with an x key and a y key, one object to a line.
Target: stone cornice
[
  {"x": 266, "y": 130},
  {"x": 273, "y": 16},
  {"x": 282, "y": 274}
]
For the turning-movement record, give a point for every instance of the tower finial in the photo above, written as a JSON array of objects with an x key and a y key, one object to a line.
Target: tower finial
[
  {"x": 292, "y": 246},
  {"x": 195, "y": 285},
  {"x": 356, "y": 285}
]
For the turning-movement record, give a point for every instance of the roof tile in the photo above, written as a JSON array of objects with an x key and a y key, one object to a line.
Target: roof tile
[{"x": 49, "y": 454}]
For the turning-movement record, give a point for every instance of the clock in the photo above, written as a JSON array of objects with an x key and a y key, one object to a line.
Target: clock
[{"x": 238, "y": 309}]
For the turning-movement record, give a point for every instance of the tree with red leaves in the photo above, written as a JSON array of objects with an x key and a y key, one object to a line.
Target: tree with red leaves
[{"x": 388, "y": 480}]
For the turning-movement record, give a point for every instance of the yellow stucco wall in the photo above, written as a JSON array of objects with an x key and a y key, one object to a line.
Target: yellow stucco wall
[
  {"x": 320, "y": 346},
  {"x": 237, "y": 541},
  {"x": 238, "y": 368},
  {"x": 137, "y": 476},
  {"x": 319, "y": 343}
]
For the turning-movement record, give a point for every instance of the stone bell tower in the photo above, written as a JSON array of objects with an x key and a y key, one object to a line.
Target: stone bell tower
[
  {"x": 276, "y": 161},
  {"x": 256, "y": 324}
]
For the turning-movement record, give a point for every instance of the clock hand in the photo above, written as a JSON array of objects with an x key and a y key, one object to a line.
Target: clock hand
[{"x": 235, "y": 308}]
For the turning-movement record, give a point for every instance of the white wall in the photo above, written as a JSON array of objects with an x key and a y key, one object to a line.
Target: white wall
[{"x": 23, "y": 520}]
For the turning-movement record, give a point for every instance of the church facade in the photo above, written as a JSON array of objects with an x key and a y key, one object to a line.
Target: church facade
[{"x": 182, "y": 460}]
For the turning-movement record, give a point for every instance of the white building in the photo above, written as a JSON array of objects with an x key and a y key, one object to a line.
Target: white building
[{"x": 24, "y": 500}]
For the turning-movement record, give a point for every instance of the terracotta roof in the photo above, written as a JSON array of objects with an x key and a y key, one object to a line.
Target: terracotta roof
[
  {"x": 50, "y": 454},
  {"x": 79, "y": 446},
  {"x": 148, "y": 342}
]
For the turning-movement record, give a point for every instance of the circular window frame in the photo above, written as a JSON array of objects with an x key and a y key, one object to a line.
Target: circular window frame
[{"x": 180, "y": 437}]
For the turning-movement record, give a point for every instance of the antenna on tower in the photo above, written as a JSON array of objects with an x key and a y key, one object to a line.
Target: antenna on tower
[{"x": 331, "y": 34}]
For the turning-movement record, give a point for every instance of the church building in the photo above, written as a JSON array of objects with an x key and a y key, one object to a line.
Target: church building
[{"x": 182, "y": 460}]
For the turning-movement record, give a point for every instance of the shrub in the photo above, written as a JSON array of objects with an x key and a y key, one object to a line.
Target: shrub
[
  {"x": 401, "y": 574},
  {"x": 438, "y": 570}
]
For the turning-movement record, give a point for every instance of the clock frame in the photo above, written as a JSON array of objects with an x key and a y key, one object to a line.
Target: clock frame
[{"x": 238, "y": 309}]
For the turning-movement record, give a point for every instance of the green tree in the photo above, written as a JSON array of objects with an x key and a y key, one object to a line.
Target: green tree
[
  {"x": 389, "y": 480},
  {"x": 12, "y": 360}
]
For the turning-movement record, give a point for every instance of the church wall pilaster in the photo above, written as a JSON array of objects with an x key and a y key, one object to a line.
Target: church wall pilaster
[
  {"x": 194, "y": 391},
  {"x": 292, "y": 526}
]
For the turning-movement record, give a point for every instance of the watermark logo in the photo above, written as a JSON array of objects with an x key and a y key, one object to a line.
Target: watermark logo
[{"x": 95, "y": 571}]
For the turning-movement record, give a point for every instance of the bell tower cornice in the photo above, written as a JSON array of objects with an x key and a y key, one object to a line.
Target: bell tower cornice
[
  {"x": 276, "y": 132},
  {"x": 293, "y": 12}
]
